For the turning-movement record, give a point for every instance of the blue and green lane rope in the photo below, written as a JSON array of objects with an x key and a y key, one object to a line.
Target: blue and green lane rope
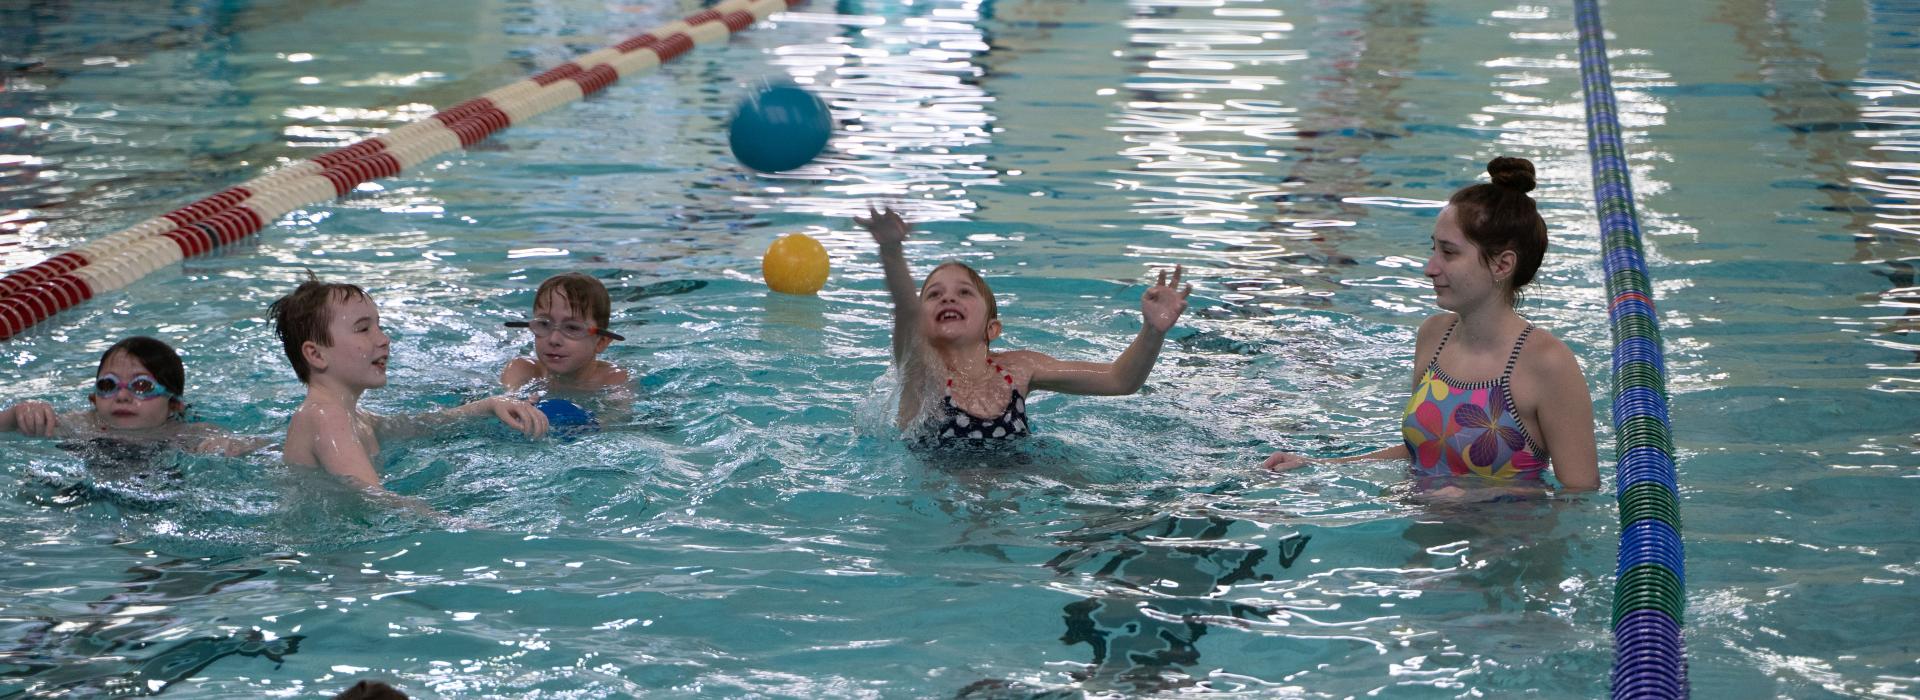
[{"x": 1649, "y": 594}]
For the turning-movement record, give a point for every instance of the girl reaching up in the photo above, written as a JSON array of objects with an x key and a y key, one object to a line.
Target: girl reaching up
[{"x": 955, "y": 387}]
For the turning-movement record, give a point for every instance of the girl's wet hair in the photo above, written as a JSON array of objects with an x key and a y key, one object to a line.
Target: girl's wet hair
[
  {"x": 1499, "y": 216},
  {"x": 993, "y": 307},
  {"x": 159, "y": 359}
]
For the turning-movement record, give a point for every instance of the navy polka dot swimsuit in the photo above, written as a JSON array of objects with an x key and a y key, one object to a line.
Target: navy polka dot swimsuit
[{"x": 953, "y": 423}]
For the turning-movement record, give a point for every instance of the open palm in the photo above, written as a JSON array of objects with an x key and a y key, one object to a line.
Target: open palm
[
  {"x": 887, "y": 226},
  {"x": 1164, "y": 301}
]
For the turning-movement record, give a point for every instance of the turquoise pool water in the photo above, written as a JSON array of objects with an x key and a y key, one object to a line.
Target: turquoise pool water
[{"x": 754, "y": 530}]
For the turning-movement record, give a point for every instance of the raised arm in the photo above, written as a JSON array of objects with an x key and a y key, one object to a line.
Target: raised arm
[
  {"x": 1160, "y": 307},
  {"x": 890, "y": 230}
]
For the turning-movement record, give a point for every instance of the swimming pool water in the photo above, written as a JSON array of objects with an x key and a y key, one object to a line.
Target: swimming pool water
[{"x": 753, "y": 529}]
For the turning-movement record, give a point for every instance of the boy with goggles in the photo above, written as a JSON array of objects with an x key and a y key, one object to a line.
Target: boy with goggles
[{"x": 569, "y": 325}]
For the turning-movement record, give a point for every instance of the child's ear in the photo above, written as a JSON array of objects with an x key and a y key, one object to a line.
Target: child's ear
[
  {"x": 310, "y": 351},
  {"x": 993, "y": 329},
  {"x": 601, "y": 346}
]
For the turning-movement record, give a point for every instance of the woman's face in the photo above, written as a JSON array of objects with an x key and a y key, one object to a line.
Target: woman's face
[
  {"x": 122, "y": 409},
  {"x": 1462, "y": 278}
]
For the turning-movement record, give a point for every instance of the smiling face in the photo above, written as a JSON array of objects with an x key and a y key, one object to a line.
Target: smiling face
[
  {"x": 122, "y": 410},
  {"x": 1463, "y": 277},
  {"x": 955, "y": 309},
  {"x": 356, "y": 359},
  {"x": 557, "y": 354}
]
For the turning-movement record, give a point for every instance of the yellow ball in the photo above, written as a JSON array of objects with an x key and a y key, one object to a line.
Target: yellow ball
[{"x": 795, "y": 264}]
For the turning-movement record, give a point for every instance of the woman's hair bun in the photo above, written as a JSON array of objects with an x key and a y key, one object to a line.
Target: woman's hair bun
[{"x": 1512, "y": 173}]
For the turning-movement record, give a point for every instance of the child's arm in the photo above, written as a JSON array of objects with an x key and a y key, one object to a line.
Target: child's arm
[
  {"x": 213, "y": 441},
  {"x": 517, "y": 414},
  {"x": 330, "y": 437},
  {"x": 890, "y": 231},
  {"x": 35, "y": 418},
  {"x": 1160, "y": 307}
]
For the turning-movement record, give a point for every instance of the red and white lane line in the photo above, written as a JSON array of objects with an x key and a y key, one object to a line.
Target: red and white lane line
[{"x": 37, "y": 292}]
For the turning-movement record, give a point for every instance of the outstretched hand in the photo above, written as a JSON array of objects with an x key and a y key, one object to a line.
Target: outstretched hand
[
  {"x": 1284, "y": 462},
  {"x": 521, "y": 416},
  {"x": 1164, "y": 302},
  {"x": 886, "y": 226}
]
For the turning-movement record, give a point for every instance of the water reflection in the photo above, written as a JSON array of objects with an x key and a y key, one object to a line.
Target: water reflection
[
  {"x": 130, "y": 642},
  {"x": 1155, "y": 583},
  {"x": 1850, "y": 129},
  {"x": 1290, "y": 152}
]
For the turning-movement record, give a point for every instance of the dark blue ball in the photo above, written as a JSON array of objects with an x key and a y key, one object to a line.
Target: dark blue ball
[
  {"x": 778, "y": 128},
  {"x": 562, "y": 413}
]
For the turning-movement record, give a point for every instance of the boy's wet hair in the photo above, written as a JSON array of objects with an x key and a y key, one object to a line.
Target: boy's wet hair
[
  {"x": 993, "y": 307},
  {"x": 1499, "y": 216},
  {"x": 584, "y": 295},
  {"x": 157, "y": 356},
  {"x": 302, "y": 315}
]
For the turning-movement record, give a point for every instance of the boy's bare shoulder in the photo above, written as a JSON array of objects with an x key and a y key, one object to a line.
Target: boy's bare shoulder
[
  {"x": 518, "y": 371},
  {"x": 612, "y": 375},
  {"x": 321, "y": 417}
]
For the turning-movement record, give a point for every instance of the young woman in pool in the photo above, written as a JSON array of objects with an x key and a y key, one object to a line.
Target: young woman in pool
[
  {"x": 953, "y": 386},
  {"x": 136, "y": 397},
  {"x": 1494, "y": 396}
]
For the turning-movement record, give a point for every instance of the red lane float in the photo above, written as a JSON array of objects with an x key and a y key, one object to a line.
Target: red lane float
[{"x": 35, "y": 293}]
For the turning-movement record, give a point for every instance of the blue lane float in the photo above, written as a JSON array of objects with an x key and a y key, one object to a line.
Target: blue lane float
[{"x": 1649, "y": 596}]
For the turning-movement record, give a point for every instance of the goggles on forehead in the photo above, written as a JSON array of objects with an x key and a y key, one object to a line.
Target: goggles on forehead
[
  {"x": 142, "y": 387},
  {"x": 543, "y": 327}
]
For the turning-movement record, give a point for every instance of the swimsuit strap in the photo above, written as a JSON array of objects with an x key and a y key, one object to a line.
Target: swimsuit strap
[
  {"x": 1004, "y": 374},
  {"x": 1514, "y": 357},
  {"x": 1435, "y": 362}
]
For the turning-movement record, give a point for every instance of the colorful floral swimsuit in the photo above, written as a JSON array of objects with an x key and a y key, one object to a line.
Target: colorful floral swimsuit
[
  {"x": 954, "y": 423},
  {"x": 1469, "y": 428}
]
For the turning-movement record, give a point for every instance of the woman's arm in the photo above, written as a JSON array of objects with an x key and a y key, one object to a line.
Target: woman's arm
[
  {"x": 1289, "y": 461},
  {"x": 1424, "y": 340},
  {"x": 1160, "y": 307},
  {"x": 1566, "y": 419}
]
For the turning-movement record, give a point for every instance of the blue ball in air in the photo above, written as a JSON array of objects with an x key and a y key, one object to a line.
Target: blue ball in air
[{"x": 779, "y": 128}]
